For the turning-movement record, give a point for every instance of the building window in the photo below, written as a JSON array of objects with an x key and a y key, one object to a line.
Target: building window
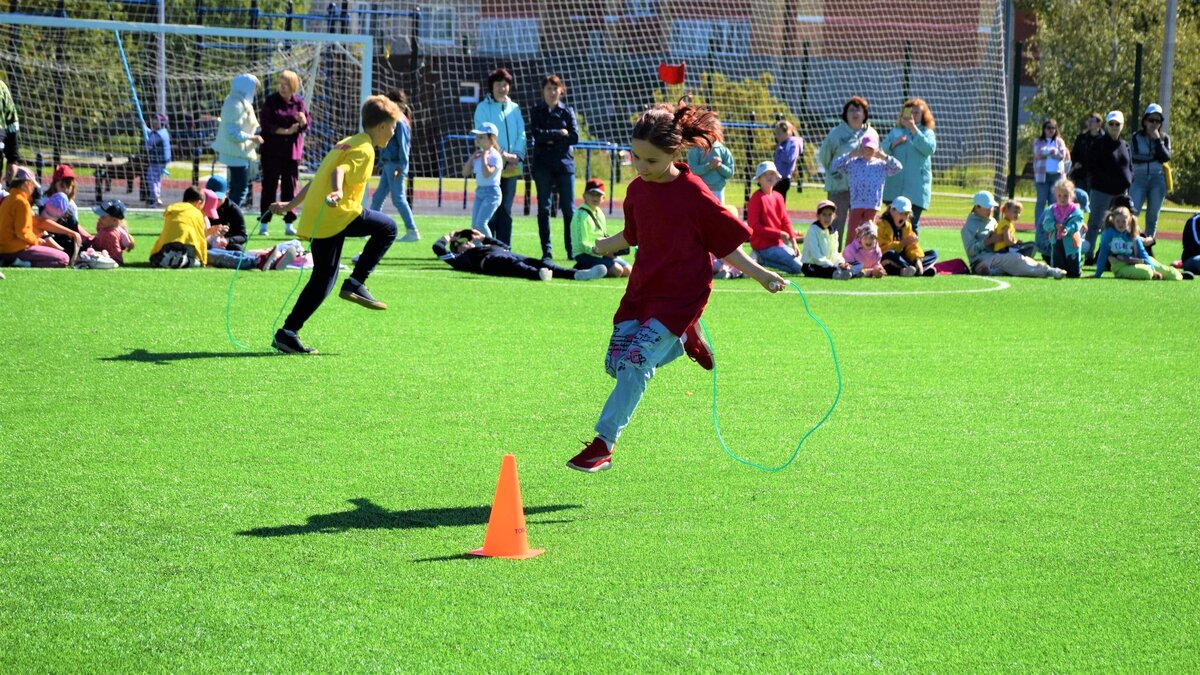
[
  {"x": 696, "y": 37},
  {"x": 508, "y": 36},
  {"x": 437, "y": 26}
]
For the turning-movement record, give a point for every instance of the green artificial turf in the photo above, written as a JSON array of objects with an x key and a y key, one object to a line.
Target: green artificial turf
[{"x": 1009, "y": 482}]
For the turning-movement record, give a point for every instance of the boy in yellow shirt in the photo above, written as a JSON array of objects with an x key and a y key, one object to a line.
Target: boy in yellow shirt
[
  {"x": 331, "y": 210},
  {"x": 183, "y": 240}
]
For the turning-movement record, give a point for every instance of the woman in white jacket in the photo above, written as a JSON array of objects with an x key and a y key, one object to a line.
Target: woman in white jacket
[{"x": 237, "y": 135}]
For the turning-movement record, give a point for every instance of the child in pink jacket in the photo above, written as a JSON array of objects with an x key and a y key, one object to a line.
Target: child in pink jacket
[{"x": 863, "y": 253}]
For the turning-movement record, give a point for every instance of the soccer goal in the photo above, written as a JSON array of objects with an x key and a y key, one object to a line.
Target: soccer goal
[
  {"x": 800, "y": 59},
  {"x": 87, "y": 90}
]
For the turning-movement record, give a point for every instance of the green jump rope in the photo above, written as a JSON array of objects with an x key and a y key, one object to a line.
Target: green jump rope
[
  {"x": 286, "y": 301},
  {"x": 833, "y": 406}
]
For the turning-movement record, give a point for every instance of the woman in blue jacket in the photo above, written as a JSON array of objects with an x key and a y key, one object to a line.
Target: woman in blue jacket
[
  {"x": 500, "y": 110},
  {"x": 393, "y": 176},
  {"x": 554, "y": 135},
  {"x": 912, "y": 142}
]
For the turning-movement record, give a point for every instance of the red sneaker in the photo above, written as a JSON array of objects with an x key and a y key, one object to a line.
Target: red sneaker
[
  {"x": 696, "y": 348},
  {"x": 595, "y": 457}
]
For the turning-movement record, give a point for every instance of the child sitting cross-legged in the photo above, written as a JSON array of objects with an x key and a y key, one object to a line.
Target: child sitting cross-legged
[
  {"x": 863, "y": 254},
  {"x": 1122, "y": 250},
  {"x": 819, "y": 256},
  {"x": 589, "y": 224},
  {"x": 771, "y": 235}
]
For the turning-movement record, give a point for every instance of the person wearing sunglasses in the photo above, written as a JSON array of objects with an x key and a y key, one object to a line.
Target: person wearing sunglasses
[
  {"x": 1151, "y": 148},
  {"x": 1050, "y": 155},
  {"x": 1110, "y": 166}
]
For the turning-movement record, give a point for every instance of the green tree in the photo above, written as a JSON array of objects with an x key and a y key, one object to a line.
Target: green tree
[
  {"x": 742, "y": 101},
  {"x": 1086, "y": 54}
]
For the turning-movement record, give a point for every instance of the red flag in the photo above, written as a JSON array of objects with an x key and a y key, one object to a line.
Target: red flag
[{"x": 672, "y": 74}]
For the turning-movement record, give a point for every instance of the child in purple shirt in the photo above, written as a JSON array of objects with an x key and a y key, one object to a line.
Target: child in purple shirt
[
  {"x": 868, "y": 168},
  {"x": 863, "y": 253}
]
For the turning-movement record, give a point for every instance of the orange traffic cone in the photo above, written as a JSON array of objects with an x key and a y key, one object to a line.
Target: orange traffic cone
[{"x": 506, "y": 536}]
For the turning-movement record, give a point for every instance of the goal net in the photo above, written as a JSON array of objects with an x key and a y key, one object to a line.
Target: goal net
[
  {"x": 752, "y": 60},
  {"x": 87, "y": 91}
]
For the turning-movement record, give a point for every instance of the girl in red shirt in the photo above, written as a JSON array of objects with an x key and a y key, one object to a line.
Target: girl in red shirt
[{"x": 676, "y": 223}]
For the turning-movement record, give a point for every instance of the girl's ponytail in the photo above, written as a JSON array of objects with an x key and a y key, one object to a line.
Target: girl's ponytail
[{"x": 669, "y": 127}]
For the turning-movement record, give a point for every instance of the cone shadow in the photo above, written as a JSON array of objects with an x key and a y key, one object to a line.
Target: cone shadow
[{"x": 366, "y": 515}]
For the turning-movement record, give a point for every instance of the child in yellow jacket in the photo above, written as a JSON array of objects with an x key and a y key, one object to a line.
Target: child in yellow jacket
[{"x": 902, "y": 252}]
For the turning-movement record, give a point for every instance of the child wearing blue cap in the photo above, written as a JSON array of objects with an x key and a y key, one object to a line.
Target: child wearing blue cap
[{"x": 112, "y": 235}]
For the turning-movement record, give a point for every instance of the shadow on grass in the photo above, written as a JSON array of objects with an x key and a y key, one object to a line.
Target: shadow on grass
[
  {"x": 163, "y": 358},
  {"x": 366, "y": 515}
]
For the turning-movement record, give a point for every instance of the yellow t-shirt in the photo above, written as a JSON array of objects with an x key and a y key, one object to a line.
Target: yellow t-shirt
[
  {"x": 1005, "y": 225},
  {"x": 327, "y": 220},
  {"x": 183, "y": 223}
]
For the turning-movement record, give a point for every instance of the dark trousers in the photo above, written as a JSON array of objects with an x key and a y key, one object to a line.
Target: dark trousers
[
  {"x": 915, "y": 218},
  {"x": 819, "y": 271},
  {"x": 501, "y": 222},
  {"x": 12, "y": 152},
  {"x": 279, "y": 173},
  {"x": 325, "y": 256},
  {"x": 563, "y": 181},
  {"x": 783, "y": 186},
  {"x": 1067, "y": 261},
  {"x": 239, "y": 184},
  {"x": 513, "y": 265},
  {"x": 894, "y": 262}
]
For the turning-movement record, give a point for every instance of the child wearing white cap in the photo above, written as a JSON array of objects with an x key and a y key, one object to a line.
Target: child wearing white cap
[
  {"x": 771, "y": 235},
  {"x": 486, "y": 163},
  {"x": 902, "y": 252}
]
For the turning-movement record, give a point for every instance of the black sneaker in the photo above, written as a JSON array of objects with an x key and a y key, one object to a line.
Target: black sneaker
[
  {"x": 1187, "y": 276},
  {"x": 358, "y": 293},
  {"x": 289, "y": 343}
]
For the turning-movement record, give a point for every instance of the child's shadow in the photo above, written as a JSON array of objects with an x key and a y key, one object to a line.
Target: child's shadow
[
  {"x": 366, "y": 515},
  {"x": 163, "y": 358}
]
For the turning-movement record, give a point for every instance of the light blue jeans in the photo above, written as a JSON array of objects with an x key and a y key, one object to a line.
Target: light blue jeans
[
  {"x": 1150, "y": 188},
  {"x": 232, "y": 260},
  {"x": 396, "y": 187},
  {"x": 635, "y": 350},
  {"x": 779, "y": 258},
  {"x": 1045, "y": 197},
  {"x": 487, "y": 200}
]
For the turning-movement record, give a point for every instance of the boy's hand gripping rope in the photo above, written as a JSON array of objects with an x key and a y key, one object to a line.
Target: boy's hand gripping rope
[{"x": 836, "y": 368}]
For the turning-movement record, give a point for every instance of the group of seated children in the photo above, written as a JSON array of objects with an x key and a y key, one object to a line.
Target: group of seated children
[
  {"x": 53, "y": 237},
  {"x": 193, "y": 235},
  {"x": 887, "y": 245}
]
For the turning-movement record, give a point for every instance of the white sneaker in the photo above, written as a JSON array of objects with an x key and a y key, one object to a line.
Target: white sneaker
[
  {"x": 1057, "y": 273},
  {"x": 411, "y": 235},
  {"x": 842, "y": 274},
  {"x": 1, "y": 276},
  {"x": 908, "y": 271},
  {"x": 546, "y": 274},
  {"x": 289, "y": 230},
  {"x": 721, "y": 274},
  {"x": 262, "y": 231},
  {"x": 285, "y": 258},
  {"x": 594, "y": 272}
]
